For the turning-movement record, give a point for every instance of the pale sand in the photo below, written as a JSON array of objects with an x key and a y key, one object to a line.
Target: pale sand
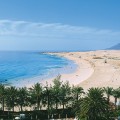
[
  {"x": 105, "y": 74},
  {"x": 91, "y": 72},
  {"x": 84, "y": 70}
]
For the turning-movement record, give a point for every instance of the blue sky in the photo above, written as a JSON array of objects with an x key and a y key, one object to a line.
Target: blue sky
[{"x": 59, "y": 24}]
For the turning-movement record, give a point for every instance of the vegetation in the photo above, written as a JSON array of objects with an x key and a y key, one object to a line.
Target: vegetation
[
  {"x": 95, "y": 104},
  {"x": 97, "y": 57}
]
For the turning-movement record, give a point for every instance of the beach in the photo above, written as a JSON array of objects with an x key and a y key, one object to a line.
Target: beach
[
  {"x": 95, "y": 69},
  {"x": 84, "y": 69}
]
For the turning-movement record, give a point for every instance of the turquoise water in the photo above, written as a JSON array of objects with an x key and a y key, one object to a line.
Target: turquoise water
[{"x": 15, "y": 66}]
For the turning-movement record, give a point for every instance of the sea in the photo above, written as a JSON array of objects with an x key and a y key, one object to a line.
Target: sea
[{"x": 19, "y": 66}]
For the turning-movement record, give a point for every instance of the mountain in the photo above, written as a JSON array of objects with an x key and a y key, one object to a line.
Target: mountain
[{"x": 115, "y": 47}]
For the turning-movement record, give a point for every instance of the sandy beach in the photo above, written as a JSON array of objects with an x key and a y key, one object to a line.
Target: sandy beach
[
  {"x": 95, "y": 69},
  {"x": 84, "y": 69}
]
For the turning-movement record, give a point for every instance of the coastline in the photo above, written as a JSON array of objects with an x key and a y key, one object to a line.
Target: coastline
[
  {"x": 84, "y": 71},
  {"x": 92, "y": 71},
  {"x": 95, "y": 69}
]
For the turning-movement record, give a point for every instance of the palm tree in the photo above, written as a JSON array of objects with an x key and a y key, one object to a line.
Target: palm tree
[
  {"x": 36, "y": 94},
  {"x": 47, "y": 95},
  {"x": 77, "y": 92},
  {"x": 11, "y": 96},
  {"x": 108, "y": 91},
  {"x": 116, "y": 94},
  {"x": 56, "y": 90},
  {"x": 65, "y": 93},
  {"x": 94, "y": 106},
  {"x": 22, "y": 97},
  {"x": 2, "y": 95}
]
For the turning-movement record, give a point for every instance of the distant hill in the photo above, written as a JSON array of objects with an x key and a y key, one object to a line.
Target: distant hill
[{"x": 115, "y": 47}]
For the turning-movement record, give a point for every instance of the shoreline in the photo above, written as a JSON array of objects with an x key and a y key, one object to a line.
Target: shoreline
[
  {"x": 83, "y": 71},
  {"x": 95, "y": 69},
  {"x": 92, "y": 70}
]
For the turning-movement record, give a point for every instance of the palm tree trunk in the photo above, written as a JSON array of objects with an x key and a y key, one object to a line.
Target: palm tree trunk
[
  {"x": 48, "y": 104},
  {"x": 108, "y": 99},
  {"x": 13, "y": 104},
  {"x": 13, "y": 108},
  {"x": 77, "y": 96},
  {"x": 38, "y": 105},
  {"x": 56, "y": 104},
  {"x": 63, "y": 105},
  {"x": 3, "y": 104},
  {"x": 115, "y": 102},
  {"x": 21, "y": 107}
]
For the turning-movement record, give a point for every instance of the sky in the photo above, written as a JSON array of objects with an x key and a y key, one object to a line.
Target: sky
[{"x": 59, "y": 25}]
